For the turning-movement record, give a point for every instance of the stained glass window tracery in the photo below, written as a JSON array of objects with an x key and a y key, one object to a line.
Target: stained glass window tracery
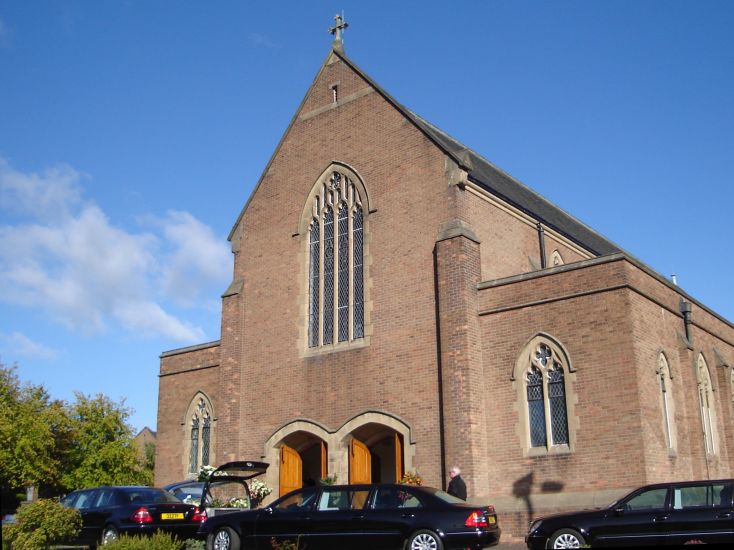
[
  {"x": 547, "y": 411},
  {"x": 336, "y": 263}
]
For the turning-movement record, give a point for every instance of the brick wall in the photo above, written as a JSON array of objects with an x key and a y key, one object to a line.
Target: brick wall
[{"x": 183, "y": 374}]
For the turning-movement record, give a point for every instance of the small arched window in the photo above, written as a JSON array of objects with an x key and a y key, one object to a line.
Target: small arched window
[
  {"x": 666, "y": 400},
  {"x": 200, "y": 435},
  {"x": 546, "y": 398},
  {"x": 336, "y": 260},
  {"x": 706, "y": 404}
]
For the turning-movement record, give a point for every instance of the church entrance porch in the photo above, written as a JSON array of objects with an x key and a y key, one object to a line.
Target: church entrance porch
[
  {"x": 376, "y": 455},
  {"x": 372, "y": 447}
]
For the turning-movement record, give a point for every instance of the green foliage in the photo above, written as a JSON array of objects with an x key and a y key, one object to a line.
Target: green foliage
[
  {"x": 32, "y": 425},
  {"x": 50, "y": 443},
  {"x": 157, "y": 541},
  {"x": 41, "y": 524},
  {"x": 102, "y": 452}
]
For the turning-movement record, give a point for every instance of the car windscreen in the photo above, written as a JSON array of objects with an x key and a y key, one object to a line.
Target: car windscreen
[{"x": 146, "y": 495}]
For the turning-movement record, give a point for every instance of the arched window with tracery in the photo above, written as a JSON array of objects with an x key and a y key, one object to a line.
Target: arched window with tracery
[
  {"x": 665, "y": 385},
  {"x": 545, "y": 397},
  {"x": 199, "y": 434},
  {"x": 706, "y": 404},
  {"x": 336, "y": 262}
]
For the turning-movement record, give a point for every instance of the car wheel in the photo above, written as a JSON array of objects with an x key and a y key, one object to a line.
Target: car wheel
[
  {"x": 424, "y": 540},
  {"x": 224, "y": 538},
  {"x": 567, "y": 538},
  {"x": 109, "y": 534}
]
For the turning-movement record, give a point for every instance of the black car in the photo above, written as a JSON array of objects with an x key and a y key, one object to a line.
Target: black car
[
  {"x": 108, "y": 512},
  {"x": 369, "y": 517},
  {"x": 663, "y": 514}
]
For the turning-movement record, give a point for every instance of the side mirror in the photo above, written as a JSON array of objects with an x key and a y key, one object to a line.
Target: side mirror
[
  {"x": 269, "y": 510},
  {"x": 619, "y": 511}
]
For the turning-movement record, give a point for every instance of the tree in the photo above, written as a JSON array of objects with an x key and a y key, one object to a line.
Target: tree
[
  {"x": 31, "y": 426},
  {"x": 101, "y": 449},
  {"x": 62, "y": 447}
]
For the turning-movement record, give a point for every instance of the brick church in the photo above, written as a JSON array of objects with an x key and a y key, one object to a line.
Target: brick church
[{"x": 399, "y": 304}]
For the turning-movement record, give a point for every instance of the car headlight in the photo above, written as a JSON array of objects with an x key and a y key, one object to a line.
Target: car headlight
[{"x": 535, "y": 526}]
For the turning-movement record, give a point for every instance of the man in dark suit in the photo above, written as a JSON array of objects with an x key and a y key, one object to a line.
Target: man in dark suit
[{"x": 457, "y": 487}]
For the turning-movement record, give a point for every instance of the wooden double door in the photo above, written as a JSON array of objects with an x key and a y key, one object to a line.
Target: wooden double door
[{"x": 361, "y": 466}]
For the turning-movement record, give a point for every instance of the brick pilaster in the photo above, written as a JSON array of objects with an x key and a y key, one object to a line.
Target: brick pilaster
[{"x": 462, "y": 374}]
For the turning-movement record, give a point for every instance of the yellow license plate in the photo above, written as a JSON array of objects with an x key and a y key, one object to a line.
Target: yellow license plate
[
  {"x": 172, "y": 516},
  {"x": 492, "y": 520}
]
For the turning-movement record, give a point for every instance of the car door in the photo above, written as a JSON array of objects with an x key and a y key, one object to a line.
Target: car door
[
  {"x": 635, "y": 521},
  {"x": 288, "y": 519},
  {"x": 701, "y": 513},
  {"x": 337, "y": 522},
  {"x": 390, "y": 517}
]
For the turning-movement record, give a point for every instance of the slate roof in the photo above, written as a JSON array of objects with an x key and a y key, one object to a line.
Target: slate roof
[{"x": 499, "y": 183}]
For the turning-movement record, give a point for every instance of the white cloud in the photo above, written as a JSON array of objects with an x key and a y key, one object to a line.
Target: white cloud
[
  {"x": 18, "y": 344},
  {"x": 66, "y": 257},
  {"x": 198, "y": 259}
]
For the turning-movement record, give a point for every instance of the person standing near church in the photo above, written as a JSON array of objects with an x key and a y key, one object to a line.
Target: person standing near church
[{"x": 457, "y": 487}]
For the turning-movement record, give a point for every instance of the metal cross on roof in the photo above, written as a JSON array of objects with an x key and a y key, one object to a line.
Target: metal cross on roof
[{"x": 337, "y": 29}]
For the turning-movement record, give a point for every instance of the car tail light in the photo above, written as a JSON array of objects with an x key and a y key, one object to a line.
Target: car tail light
[
  {"x": 142, "y": 515},
  {"x": 199, "y": 514},
  {"x": 476, "y": 519}
]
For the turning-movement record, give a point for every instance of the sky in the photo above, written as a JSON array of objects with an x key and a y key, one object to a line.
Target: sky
[{"x": 132, "y": 133}]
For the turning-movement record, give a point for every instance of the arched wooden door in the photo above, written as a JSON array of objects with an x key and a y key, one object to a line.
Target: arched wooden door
[
  {"x": 360, "y": 463},
  {"x": 290, "y": 470}
]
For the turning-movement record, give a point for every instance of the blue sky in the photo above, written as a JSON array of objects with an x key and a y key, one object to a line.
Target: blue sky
[{"x": 132, "y": 133}]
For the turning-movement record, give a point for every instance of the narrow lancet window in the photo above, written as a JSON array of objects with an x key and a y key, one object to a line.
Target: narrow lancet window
[
  {"x": 205, "y": 437},
  {"x": 313, "y": 281},
  {"x": 194, "y": 450},
  {"x": 557, "y": 401},
  {"x": 328, "y": 276},
  {"x": 357, "y": 234},
  {"x": 536, "y": 408},
  {"x": 343, "y": 273}
]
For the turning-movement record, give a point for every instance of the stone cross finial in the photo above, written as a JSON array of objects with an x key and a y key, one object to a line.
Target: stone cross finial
[{"x": 337, "y": 29}]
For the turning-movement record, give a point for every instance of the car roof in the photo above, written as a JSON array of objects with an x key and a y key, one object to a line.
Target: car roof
[{"x": 688, "y": 483}]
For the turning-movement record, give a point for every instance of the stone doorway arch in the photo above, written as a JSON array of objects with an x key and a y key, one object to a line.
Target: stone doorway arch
[
  {"x": 387, "y": 439},
  {"x": 298, "y": 455},
  {"x": 378, "y": 448}
]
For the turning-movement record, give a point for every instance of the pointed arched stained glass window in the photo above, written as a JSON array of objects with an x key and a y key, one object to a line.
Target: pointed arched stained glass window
[
  {"x": 546, "y": 398},
  {"x": 336, "y": 264}
]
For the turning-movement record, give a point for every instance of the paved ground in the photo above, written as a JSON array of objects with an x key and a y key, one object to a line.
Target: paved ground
[{"x": 510, "y": 546}]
